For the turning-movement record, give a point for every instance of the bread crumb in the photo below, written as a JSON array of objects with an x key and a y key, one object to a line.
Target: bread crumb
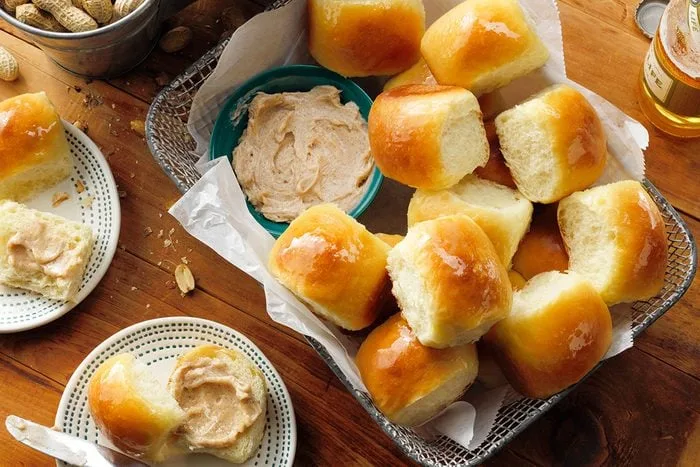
[
  {"x": 122, "y": 193},
  {"x": 87, "y": 201},
  {"x": 80, "y": 125},
  {"x": 160, "y": 233},
  {"x": 160, "y": 214},
  {"x": 134, "y": 288},
  {"x": 132, "y": 175},
  {"x": 79, "y": 187},
  {"x": 147, "y": 231},
  {"x": 184, "y": 260},
  {"x": 167, "y": 242},
  {"x": 58, "y": 198},
  {"x": 138, "y": 127},
  {"x": 170, "y": 284},
  {"x": 148, "y": 305},
  {"x": 92, "y": 100}
]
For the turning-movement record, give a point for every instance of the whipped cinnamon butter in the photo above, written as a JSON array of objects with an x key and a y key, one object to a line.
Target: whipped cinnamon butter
[
  {"x": 37, "y": 248},
  {"x": 218, "y": 407},
  {"x": 301, "y": 149}
]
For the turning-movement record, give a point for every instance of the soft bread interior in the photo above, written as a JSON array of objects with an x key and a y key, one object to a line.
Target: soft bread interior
[
  {"x": 436, "y": 401},
  {"x": 151, "y": 391},
  {"x": 411, "y": 291},
  {"x": 527, "y": 150},
  {"x": 541, "y": 291},
  {"x": 534, "y": 57},
  {"x": 590, "y": 241},
  {"x": 463, "y": 143},
  {"x": 25, "y": 184}
]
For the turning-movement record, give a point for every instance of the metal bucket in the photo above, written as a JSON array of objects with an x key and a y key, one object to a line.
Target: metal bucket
[{"x": 108, "y": 51}]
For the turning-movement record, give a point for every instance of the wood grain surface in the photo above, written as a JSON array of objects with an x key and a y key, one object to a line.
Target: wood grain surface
[{"x": 640, "y": 408}]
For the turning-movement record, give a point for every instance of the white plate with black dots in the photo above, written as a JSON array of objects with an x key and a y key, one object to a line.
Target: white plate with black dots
[
  {"x": 158, "y": 343},
  {"x": 92, "y": 200}
]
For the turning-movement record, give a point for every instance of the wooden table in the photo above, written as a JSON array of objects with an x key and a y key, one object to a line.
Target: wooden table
[{"x": 641, "y": 408}]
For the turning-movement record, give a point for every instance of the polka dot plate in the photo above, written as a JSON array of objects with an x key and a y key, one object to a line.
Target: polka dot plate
[
  {"x": 158, "y": 343},
  {"x": 92, "y": 200}
]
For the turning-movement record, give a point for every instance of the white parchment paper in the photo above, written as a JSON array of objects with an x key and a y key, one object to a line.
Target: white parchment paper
[{"x": 214, "y": 210}]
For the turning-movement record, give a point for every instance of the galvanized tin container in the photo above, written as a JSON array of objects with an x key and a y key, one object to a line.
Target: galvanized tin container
[{"x": 108, "y": 51}]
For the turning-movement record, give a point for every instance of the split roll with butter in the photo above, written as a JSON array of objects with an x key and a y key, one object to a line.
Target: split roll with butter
[
  {"x": 224, "y": 398},
  {"x": 42, "y": 252},
  {"x": 215, "y": 402}
]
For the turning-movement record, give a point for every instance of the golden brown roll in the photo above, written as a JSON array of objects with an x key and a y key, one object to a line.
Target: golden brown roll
[
  {"x": 417, "y": 74},
  {"x": 449, "y": 282},
  {"x": 34, "y": 152},
  {"x": 482, "y": 45},
  {"x": 409, "y": 382},
  {"x": 502, "y": 213},
  {"x": 557, "y": 331},
  {"x": 389, "y": 239},
  {"x": 615, "y": 237},
  {"x": 366, "y": 37},
  {"x": 224, "y": 397},
  {"x": 542, "y": 249},
  {"x": 331, "y": 262},
  {"x": 554, "y": 144},
  {"x": 131, "y": 408},
  {"x": 427, "y": 136}
]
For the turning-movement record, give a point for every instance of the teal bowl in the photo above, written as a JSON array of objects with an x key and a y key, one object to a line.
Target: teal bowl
[{"x": 233, "y": 120}]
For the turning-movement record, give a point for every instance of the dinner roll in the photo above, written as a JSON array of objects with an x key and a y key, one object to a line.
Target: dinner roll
[
  {"x": 331, "y": 262},
  {"x": 554, "y": 144},
  {"x": 42, "y": 252},
  {"x": 131, "y": 409},
  {"x": 502, "y": 213},
  {"x": 366, "y": 37},
  {"x": 615, "y": 237},
  {"x": 389, "y": 239},
  {"x": 557, "y": 331},
  {"x": 448, "y": 281},
  {"x": 34, "y": 152},
  {"x": 482, "y": 45},
  {"x": 409, "y": 382},
  {"x": 417, "y": 74},
  {"x": 542, "y": 249},
  {"x": 427, "y": 136},
  {"x": 224, "y": 397}
]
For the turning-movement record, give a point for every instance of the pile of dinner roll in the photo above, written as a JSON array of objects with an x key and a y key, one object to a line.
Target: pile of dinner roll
[{"x": 507, "y": 249}]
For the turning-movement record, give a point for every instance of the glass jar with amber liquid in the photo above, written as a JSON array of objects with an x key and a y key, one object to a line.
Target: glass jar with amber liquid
[{"x": 670, "y": 77}]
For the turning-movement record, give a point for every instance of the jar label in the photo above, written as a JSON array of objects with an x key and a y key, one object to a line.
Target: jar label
[
  {"x": 658, "y": 81},
  {"x": 694, "y": 22}
]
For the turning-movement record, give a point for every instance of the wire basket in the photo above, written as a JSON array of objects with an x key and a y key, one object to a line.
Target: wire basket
[{"x": 172, "y": 147}]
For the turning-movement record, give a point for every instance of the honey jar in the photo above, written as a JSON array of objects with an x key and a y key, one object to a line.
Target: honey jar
[{"x": 670, "y": 77}]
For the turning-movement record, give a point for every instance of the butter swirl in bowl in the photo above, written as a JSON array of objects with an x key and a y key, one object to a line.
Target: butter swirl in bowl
[{"x": 297, "y": 137}]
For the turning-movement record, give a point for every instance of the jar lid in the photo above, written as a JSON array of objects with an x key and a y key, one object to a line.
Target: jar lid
[{"x": 648, "y": 16}]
